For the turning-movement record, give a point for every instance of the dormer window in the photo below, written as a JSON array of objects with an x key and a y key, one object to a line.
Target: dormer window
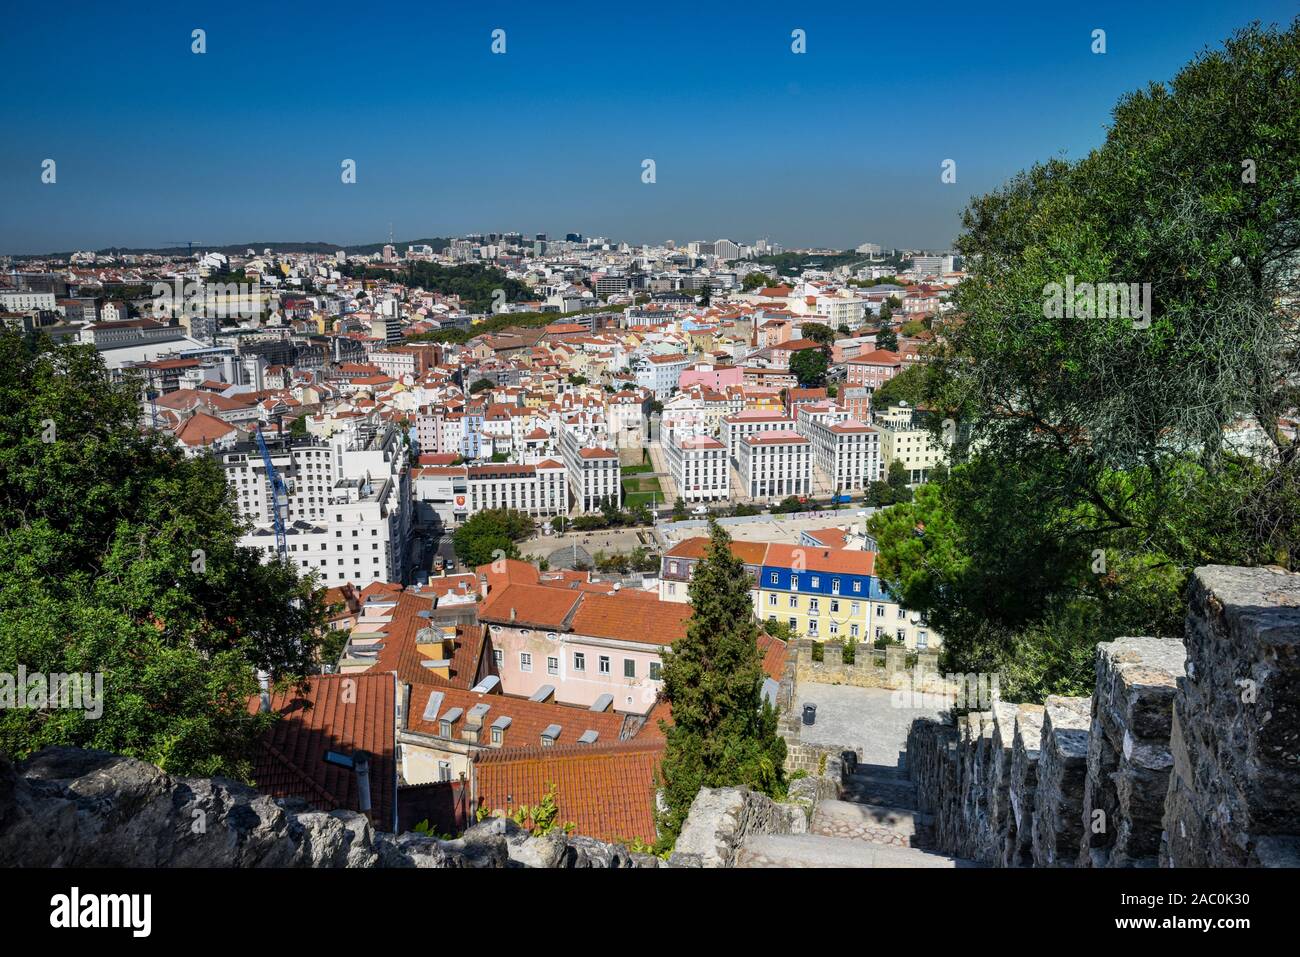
[
  {"x": 444, "y": 728},
  {"x": 496, "y": 735}
]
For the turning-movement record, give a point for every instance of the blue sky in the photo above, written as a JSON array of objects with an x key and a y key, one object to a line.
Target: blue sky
[{"x": 837, "y": 146}]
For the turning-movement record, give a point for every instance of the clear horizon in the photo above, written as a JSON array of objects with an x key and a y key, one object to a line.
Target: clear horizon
[{"x": 833, "y": 147}]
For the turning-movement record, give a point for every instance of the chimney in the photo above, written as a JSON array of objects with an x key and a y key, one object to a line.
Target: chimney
[
  {"x": 361, "y": 762},
  {"x": 264, "y": 682},
  {"x": 483, "y": 585},
  {"x": 512, "y": 614}
]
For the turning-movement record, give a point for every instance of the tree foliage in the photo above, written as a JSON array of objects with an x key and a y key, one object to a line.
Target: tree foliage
[
  {"x": 1101, "y": 467},
  {"x": 118, "y": 557},
  {"x": 491, "y": 534},
  {"x": 809, "y": 367},
  {"x": 723, "y": 733}
]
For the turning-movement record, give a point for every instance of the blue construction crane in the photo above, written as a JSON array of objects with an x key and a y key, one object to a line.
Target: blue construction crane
[{"x": 279, "y": 496}]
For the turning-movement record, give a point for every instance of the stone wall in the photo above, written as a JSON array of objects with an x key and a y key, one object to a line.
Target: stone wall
[
  {"x": 871, "y": 668},
  {"x": 1234, "y": 794},
  {"x": 1128, "y": 752},
  {"x": 1187, "y": 753},
  {"x": 721, "y": 818},
  {"x": 65, "y": 807}
]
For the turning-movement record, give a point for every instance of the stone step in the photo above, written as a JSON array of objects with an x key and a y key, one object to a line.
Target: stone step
[
  {"x": 873, "y": 823},
  {"x": 816, "y": 850},
  {"x": 879, "y": 772},
  {"x": 862, "y": 789}
]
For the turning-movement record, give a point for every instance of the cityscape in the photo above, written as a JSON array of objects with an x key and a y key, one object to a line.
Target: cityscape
[{"x": 517, "y": 549}]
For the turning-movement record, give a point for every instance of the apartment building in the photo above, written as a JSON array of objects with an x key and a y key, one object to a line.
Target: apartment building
[
  {"x": 774, "y": 465},
  {"x": 698, "y": 466},
  {"x": 846, "y": 452},
  {"x": 598, "y": 651},
  {"x": 873, "y": 369},
  {"x": 820, "y": 592},
  {"x": 904, "y": 440},
  {"x": 834, "y": 594},
  {"x": 349, "y": 506},
  {"x": 539, "y": 490},
  {"x": 660, "y": 374},
  {"x": 750, "y": 422},
  {"x": 593, "y": 471}
]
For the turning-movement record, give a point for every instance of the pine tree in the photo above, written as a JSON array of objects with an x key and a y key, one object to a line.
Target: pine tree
[{"x": 723, "y": 732}]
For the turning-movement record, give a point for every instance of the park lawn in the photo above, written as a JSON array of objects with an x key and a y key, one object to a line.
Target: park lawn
[{"x": 634, "y": 484}]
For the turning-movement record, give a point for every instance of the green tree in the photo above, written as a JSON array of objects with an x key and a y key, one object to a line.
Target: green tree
[
  {"x": 809, "y": 367},
  {"x": 119, "y": 558},
  {"x": 679, "y": 510},
  {"x": 723, "y": 732},
  {"x": 1098, "y": 475},
  {"x": 481, "y": 385},
  {"x": 887, "y": 338},
  {"x": 816, "y": 332},
  {"x": 910, "y": 386},
  {"x": 491, "y": 533},
  {"x": 755, "y": 280}
]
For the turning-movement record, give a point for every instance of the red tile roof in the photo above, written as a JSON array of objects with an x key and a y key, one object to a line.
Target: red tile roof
[
  {"x": 626, "y": 618},
  {"x": 607, "y": 791},
  {"x": 751, "y": 553},
  {"x": 339, "y": 713},
  {"x": 400, "y": 653},
  {"x": 529, "y": 606}
]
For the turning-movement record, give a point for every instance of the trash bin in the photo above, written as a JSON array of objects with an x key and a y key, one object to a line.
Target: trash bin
[{"x": 810, "y": 714}]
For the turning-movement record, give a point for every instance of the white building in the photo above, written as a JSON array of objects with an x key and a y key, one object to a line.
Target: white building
[
  {"x": 751, "y": 422},
  {"x": 902, "y": 441},
  {"x": 539, "y": 490},
  {"x": 593, "y": 471},
  {"x": 660, "y": 374},
  {"x": 25, "y": 300},
  {"x": 775, "y": 464},
  {"x": 846, "y": 452},
  {"x": 349, "y": 508},
  {"x": 698, "y": 466}
]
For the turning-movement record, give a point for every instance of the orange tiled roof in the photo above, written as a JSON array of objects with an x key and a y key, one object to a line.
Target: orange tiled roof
[
  {"x": 528, "y": 718},
  {"x": 822, "y": 559},
  {"x": 340, "y": 713},
  {"x": 400, "y": 653},
  {"x": 529, "y": 606},
  {"x": 631, "y": 619},
  {"x": 607, "y": 791},
  {"x": 751, "y": 553}
]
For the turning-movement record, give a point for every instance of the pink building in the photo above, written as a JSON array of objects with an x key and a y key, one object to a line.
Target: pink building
[
  {"x": 584, "y": 645},
  {"x": 716, "y": 378},
  {"x": 873, "y": 369}
]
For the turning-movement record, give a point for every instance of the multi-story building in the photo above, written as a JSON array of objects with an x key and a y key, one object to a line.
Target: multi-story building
[
  {"x": 677, "y": 567},
  {"x": 348, "y": 513},
  {"x": 540, "y": 489},
  {"x": 26, "y": 300},
  {"x": 698, "y": 466},
  {"x": 847, "y": 452},
  {"x": 774, "y": 465},
  {"x": 834, "y": 594},
  {"x": 873, "y": 369},
  {"x": 660, "y": 374},
  {"x": 828, "y": 594},
  {"x": 903, "y": 440},
  {"x": 750, "y": 422},
  {"x": 593, "y": 470}
]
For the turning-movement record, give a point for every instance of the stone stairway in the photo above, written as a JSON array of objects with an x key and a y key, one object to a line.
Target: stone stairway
[{"x": 874, "y": 824}]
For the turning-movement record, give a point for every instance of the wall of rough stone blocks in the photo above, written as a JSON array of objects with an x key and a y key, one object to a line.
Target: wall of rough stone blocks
[
  {"x": 1234, "y": 794},
  {"x": 871, "y": 667},
  {"x": 1186, "y": 754}
]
